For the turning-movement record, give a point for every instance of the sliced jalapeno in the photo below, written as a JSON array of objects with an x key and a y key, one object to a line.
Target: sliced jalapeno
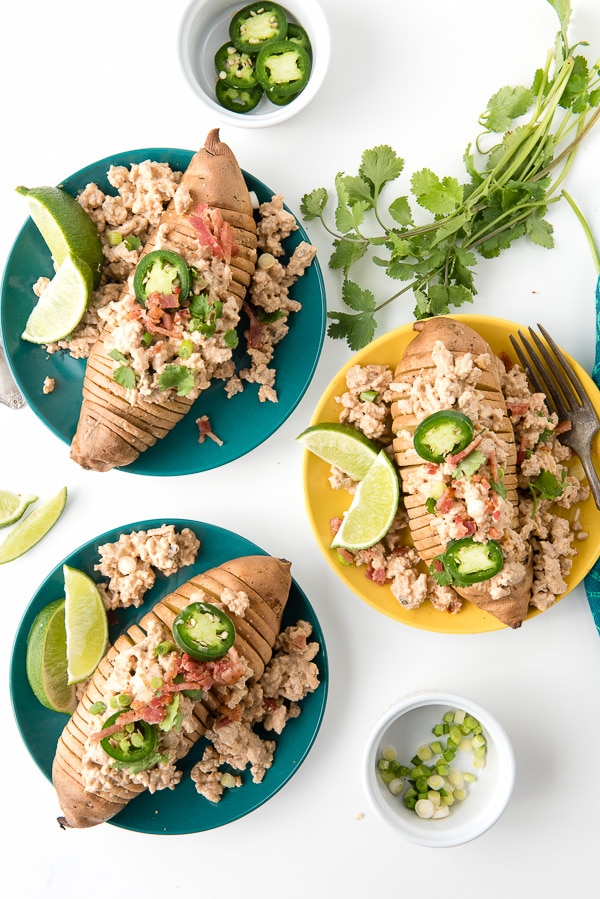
[
  {"x": 203, "y": 631},
  {"x": 256, "y": 25},
  {"x": 164, "y": 272},
  {"x": 134, "y": 743},
  {"x": 441, "y": 434},
  {"x": 283, "y": 67},
  {"x": 297, "y": 34},
  {"x": 235, "y": 68},
  {"x": 468, "y": 561},
  {"x": 238, "y": 99}
]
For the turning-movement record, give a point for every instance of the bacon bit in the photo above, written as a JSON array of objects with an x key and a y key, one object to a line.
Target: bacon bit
[
  {"x": 494, "y": 533},
  {"x": 506, "y": 361},
  {"x": 518, "y": 408},
  {"x": 214, "y": 232},
  {"x": 465, "y": 527},
  {"x": 458, "y": 457},
  {"x": 377, "y": 575},
  {"x": 522, "y": 450},
  {"x": 444, "y": 503},
  {"x": 431, "y": 468},
  {"x": 256, "y": 330},
  {"x": 437, "y": 566},
  {"x": 205, "y": 430},
  {"x": 345, "y": 555},
  {"x": 161, "y": 314},
  {"x": 496, "y": 514},
  {"x": 493, "y": 463},
  {"x": 270, "y": 704},
  {"x": 563, "y": 426},
  {"x": 335, "y": 524}
]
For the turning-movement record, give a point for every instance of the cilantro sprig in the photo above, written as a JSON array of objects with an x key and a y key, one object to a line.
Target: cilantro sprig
[{"x": 505, "y": 197}]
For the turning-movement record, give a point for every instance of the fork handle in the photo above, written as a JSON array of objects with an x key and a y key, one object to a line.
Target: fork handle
[{"x": 593, "y": 479}]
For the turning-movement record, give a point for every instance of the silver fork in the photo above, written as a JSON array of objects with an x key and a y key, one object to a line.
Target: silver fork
[{"x": 552, "y": 374}]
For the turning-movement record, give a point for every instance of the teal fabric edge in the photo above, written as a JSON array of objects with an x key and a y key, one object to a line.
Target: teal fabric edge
[{"x": 592, "y": 579}]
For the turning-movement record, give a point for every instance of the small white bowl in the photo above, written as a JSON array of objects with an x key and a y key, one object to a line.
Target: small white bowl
[
  {"x": 205, "y": 28},
  {"x": 406, "y": 726}
]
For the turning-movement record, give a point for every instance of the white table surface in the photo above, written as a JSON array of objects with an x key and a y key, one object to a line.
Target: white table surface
[{"x": 84, "y": 80}]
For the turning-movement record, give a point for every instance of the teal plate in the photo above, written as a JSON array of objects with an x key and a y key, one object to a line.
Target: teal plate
[
  {"x": 181, "y": 810},
  {"x": 242, "y": 422}
]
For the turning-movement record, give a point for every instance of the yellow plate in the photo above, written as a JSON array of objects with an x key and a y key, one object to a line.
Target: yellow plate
[{"x": 324, "y": 503}]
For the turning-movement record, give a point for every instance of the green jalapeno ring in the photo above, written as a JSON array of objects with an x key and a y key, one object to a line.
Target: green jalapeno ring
[
  {"x": 256, "y": 25},
  {"x": 470, "y": 561},
  {"x": 235, "y": 68},
  {"x": 298, "y": 35},
  {"x": 203, "y": 631},
  {"x": 161, "y": 269},
  {"x": 238, "y": 99},
  {"x": 119, "y": 746},
  {"x": 441, "y": 434},
  {"x": 283, "y": 67}
]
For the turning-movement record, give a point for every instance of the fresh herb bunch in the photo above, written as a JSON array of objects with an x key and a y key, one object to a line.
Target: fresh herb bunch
[{"x": 504, "y": 199}]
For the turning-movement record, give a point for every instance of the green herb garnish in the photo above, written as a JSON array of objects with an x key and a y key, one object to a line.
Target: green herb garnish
[
  {"x": 505, "y": 197},
  {"x": 177, "y": 376}
]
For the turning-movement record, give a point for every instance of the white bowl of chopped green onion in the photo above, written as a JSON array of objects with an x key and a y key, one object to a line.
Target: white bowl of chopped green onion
[
  {"x": 439, "y": 768},
  {"x": 236, "y": 93}
]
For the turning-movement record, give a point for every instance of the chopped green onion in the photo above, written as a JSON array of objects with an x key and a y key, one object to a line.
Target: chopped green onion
[
  {"x": 114, "y": 238},
  {"x": 368, "y": 396},
  {"x": 157, "y": 683},
  {"x": 121, "y": 701},
  {"x": 164, "y": 648},
  {"x": 424, "y": 753},
  {"x": 132, "y": 242},
  {"x": 97, "y": 708},
  {"x": 459, "y": 716},
  {"x": 228, "y": 780},
  {"x": 186, "y": 348}
]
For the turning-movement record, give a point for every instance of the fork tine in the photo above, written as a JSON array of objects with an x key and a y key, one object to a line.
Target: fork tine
[
  {"x": 572, "y": 399},
  {"x": 568, "y": 369},
  {"x": 539, "y": 375}
]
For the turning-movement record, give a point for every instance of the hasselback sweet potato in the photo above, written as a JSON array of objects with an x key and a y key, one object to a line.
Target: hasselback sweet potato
[
  {"x": 469, "y": 494},
  {"x": 86, "y": 793},
  {"x": 210, "y": 218}
]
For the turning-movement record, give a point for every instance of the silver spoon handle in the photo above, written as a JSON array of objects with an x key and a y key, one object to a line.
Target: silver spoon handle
[{"x": 10, "y": 394}]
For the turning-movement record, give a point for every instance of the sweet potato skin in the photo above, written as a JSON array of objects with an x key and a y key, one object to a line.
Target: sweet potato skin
[
  {"x": 459, "y": 339},
  {"x": 111, "y": 432},
  {"x": 254, "y": 641}
]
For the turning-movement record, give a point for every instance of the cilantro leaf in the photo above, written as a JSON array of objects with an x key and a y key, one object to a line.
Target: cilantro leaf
[
  {"x": 439, "y": 196},
  {"x": 358, "y": 299},
  {"x": 471, "y": 463},
  {"x": 313, "y": 204},
  {"x": 358, "y": 329},
  {"x": 400, "y": 211},
  {"x": 505, "y": 105},
  {"x": 380, "y": 165},
  {"x": 117, "y": 356},
  {"x": 540, "y": 231},
  {"x": 178, "y": 376},
  {"x": 125, "y": 376}
]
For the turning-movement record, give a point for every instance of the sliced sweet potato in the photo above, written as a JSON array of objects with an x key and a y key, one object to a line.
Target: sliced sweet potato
[
  {"x": 271, "y": 582},
  {"x": 418, "y": 374},
  {"x": 110, "y": 435}
]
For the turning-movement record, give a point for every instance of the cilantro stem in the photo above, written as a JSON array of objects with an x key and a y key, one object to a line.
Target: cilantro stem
[{"x": 586, "y": 229}]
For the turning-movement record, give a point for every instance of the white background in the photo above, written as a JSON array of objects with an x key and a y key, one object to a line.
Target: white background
[{"x": 82, "y": 80}]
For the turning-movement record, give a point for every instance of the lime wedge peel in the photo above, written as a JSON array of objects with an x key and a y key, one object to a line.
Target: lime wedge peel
[
  {"x": 29, "y": 530},
  {"x": 373, "y": 507},
  {"x": 65, "y": 226},
  {"x": 13, "y": 506},
  {"x": 86, "y": 624},
  {"x": 46, "y": 659},
  {"x": 341, "y": 445}
]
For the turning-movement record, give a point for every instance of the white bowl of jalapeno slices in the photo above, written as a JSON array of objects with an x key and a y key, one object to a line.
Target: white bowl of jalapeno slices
[
  {"x": 254, "y": 64},
  {"x": 439, "y": 768}
]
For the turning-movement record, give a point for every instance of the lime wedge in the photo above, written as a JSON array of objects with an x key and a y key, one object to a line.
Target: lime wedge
[
  {"x": 30, "y": 530},
  {"x": 65, "y": 226},
  {"x": 61, "y": 306},
  {"x": 46, "y": 659},
  {"x": 13, "y": 505},
  {"x": 373, "y": 507},
  {"x": 341, "y": 445},
  {"x": 86, "y": 623}
]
